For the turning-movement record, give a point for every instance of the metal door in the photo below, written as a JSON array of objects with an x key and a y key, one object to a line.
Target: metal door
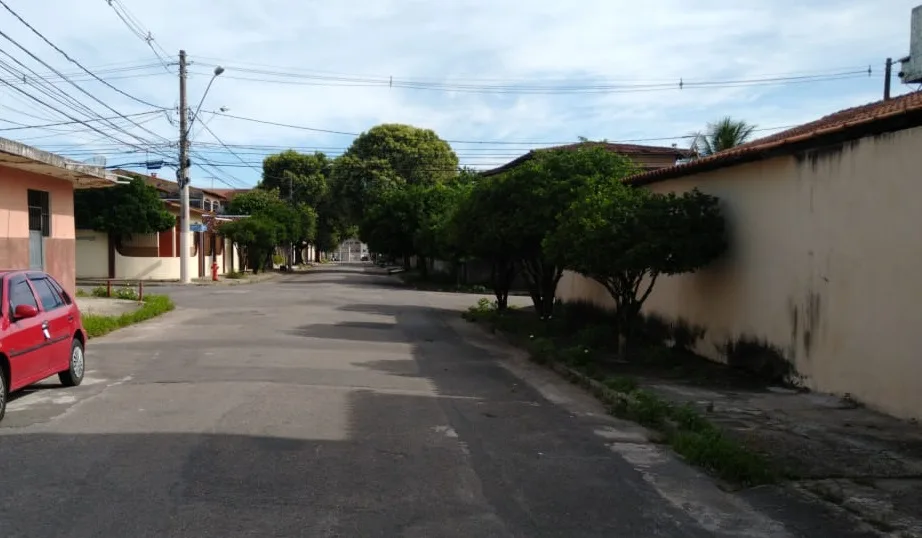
[{"x": 36, "y": 250}]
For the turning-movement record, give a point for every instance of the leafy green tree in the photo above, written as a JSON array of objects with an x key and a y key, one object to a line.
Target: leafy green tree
[
  {"x": 480, "y": 227},
  {"x": 388, "y": 156},
  {"x": 625, "y": 237},
  {"x": 122, "y": 210},
  {"x": 289, "y": 223},
  {"x": 299, "y": 177},
  {"x": 721, "y": 135},
  {"x": 537, "y": 193},
  {"x": 255, "y": 237}
]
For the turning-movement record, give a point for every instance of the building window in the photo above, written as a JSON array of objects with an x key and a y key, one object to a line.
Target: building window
[{"x": 40, "y": 212}]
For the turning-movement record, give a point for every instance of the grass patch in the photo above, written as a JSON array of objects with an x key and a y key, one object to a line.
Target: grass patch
[
  {"x": 573, "y": 343},
  {"x": 235, "y": 275},
  {"x": 153, "y": 306},
  {"x": 125, "y": 292}
]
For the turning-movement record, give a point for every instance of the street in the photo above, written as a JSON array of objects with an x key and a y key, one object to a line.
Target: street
[{"x": 338, "y": 404}]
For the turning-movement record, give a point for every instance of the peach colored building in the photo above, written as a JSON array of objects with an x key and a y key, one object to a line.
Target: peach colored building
[
  {"x": 825, "y": 257},
  {"x": 37, "y": 209}
]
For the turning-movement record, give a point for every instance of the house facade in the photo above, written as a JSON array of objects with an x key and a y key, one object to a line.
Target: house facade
[
  {"x": 37, "y": 209},
  {"x": 825, "y": 254},
  {"x": 157, "y": 256}
]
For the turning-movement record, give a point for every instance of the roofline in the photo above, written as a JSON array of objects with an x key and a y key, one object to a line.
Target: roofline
[
  {"x": 897, "y": 120},
  {"x": 677, "y": 152},
  {"x": 85, "y": 174}
]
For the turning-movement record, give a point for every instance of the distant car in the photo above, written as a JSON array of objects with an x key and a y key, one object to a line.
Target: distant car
[
  {"x": 364, "y": 257},
  {"x": 41, "y": 333}
]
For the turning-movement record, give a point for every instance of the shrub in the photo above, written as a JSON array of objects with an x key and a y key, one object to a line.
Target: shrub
[
  {"x": 542, "y": 350},
  {"x": 234, "y": 275}
]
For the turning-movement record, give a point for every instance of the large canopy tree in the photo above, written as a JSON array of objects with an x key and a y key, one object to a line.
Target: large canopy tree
[
  {"x": 389, "y": 156},
  {"x": 122, "y": 210}
]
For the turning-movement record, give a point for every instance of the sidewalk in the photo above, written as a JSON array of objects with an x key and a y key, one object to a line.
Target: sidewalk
[
  {"x": 865, "y": 465},
  {"x": 868, "y": 463},
  {"x": 246, "y": 278}
]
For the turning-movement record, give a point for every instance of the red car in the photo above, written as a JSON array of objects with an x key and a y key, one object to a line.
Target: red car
[{"x": 41, "y": 333}]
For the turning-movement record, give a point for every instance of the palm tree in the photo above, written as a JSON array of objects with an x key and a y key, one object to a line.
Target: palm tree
[{"x": 722, "y": 135}]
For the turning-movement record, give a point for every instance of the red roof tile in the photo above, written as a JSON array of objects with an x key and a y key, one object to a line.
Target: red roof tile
[
  {"x": 853, "y": 122},
  {"x": 624, "y": 149}
]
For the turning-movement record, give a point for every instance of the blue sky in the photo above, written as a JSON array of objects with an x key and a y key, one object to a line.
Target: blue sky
[{"x": 331, "y": 62}]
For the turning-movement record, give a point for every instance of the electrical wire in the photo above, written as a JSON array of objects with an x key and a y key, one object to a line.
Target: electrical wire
[
  {"x": 135, "y": 27},
  {"x": 46, "y": 125},
  {"x": 78, "y": 64},
  {"x": 284, "y": 77}
]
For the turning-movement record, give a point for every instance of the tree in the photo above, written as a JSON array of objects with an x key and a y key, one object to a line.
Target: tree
[
  {"x": 255, "y": 237},
  {"x": 479, "y": 227},
  {"x": 722, "y": 135},
  {"x": 388, "y": 156},
  {"x": 299, "y": 177},
  {"x": 289, "y": 223},
  {"x": 391, "y": 222},
  {"x": 537, "y": 193},
  {"x": 625, "y": 237},
  {"x": 122, "y": 210}
]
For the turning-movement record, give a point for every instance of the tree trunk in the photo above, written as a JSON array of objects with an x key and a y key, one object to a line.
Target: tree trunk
[
  {"x": 502, "y": 273},
  {"x": 423, "y": 266}
]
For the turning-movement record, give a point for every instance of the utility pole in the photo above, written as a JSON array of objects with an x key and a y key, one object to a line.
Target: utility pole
[
  {"x": 183, "y": 174},
  {"x": 888, "y": 73}
]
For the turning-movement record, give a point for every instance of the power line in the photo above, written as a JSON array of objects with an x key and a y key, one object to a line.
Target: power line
[
  {"x": 135, "y": 27},
  {"x": 73, "y": 102},
  {"x": 66, "y": 115},
  {"x": 78, "y": 64},
  {"x": 75, "y": 85},
  {"x": 300, "y": 71},
  {"x": 545, "y": 88},
  {"x": 24, "y": 126},
  {"x": 497, "y": 142}
]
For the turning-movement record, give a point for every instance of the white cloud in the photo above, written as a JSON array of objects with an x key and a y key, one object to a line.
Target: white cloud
[{"x": 463, "y": 40}]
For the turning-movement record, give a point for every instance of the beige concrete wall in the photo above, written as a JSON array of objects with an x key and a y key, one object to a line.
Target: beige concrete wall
[
  {"x": 824, "y": 265},
  {"x": 92, "y": 254}
]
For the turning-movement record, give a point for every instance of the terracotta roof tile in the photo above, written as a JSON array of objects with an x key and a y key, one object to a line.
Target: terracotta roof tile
[
  {"x": 851, "y": 118},
  {"x": 624, "y": 149}
]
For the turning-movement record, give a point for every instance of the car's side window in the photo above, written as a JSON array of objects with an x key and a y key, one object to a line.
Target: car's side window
[
  {"x": 61, "y": 292},
  {"x": 20, "y": 293},
  {"x": 47, "y": 294}
]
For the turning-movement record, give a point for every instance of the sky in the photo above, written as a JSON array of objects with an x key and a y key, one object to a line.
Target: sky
[{"x": 495, "y": 78}]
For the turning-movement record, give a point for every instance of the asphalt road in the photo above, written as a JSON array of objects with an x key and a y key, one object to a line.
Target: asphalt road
[{"x": 337, "y": 404}]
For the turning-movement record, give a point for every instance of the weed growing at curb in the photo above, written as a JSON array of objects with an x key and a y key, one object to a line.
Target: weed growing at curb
[
  {"x": 153, "y": 306},
  {"x": 684, "y": 429}
]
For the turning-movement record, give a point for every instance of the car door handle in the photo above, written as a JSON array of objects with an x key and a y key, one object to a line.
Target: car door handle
[
  {"x": 44, "y": 325},
  {"x": 70, "y": 318}
]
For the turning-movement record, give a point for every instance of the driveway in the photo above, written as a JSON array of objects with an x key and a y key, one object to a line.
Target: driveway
[{"x": 338, "y": 404}]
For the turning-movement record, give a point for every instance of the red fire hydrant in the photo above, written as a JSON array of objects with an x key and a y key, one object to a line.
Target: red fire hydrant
[{"x": 214, "y": 271}]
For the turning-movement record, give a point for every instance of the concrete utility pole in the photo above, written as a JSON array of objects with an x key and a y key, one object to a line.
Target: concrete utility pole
[
  {"x": 888, "y": 73},
  {"x": 183, "y": 174}
]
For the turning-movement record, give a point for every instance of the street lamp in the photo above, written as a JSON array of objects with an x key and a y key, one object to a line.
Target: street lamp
[{"x": 185, "y": 128}]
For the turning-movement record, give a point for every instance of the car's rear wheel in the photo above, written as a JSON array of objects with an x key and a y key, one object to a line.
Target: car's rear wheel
[
  {"x": 73, "y": 376},
  {"x": 3, "y": 393}
]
